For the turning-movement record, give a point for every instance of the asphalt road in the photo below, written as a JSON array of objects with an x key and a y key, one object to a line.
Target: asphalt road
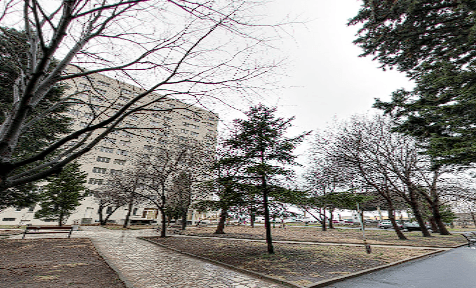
[{"x": 454, "y": 268}]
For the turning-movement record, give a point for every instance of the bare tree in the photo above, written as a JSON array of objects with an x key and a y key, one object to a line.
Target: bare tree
[
  {"x": 194, "y": 49},
  {"x": 109, "y": 201},
  {"x": 387, "y": 163},
  {"x": 122, "y": 188},
  {"x": 160, "y": 167}
]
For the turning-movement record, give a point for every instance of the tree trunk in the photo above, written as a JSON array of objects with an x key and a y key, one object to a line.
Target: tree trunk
[
  {"x": 331, "y": 218},
  {"x": 60, "y": 219},
  {"x": 184, "y": 218},
  {"x": 435, "y": 208},
  {"x": 252, "y": 218},
  {"x": 128, "y": 215},
  {"x": 164, "y": 223},
  {"x": 433, "y": 225},
  {"x": 221, "y": 222},
  {"x": 267, "y": 223},
  {"x": 101, "y": 220},
  {"x": 419, "y": 217},
  {"x": 109, "y": 215},
  {"x": 324, "y": 219},
  {"x": 391, "y": 216}
]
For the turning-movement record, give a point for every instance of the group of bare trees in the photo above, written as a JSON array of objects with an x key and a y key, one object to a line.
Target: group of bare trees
[
  {"x": 168, "y": 179},
  {"x": 364, "y": 155},
  {"x": 178, "y": 49}
]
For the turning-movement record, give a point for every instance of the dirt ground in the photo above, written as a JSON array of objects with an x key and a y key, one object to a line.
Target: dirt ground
[
  {"x": 54, "y": 263},
  {"x": 299, "y": 263},
  {"x": 314, "y": 234}
]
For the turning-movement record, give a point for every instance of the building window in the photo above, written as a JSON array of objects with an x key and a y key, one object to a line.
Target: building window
[
  {"x": 116, "y": 172},
  {"x": 74, "y": 112},
  {"x": 101, "y": 92},
  {"x": 121, "y": 152},
  {"x": 84, "y": 86},
  {"x": 110, "y": 140},
  {"x": 119, "y": 161},
  {"x": 97, "y": 99},
  {"x": 102, "y": 83},
  {"x": 95, "y": 181},
  {"x": 103, "y": 159},
  {"x": 148, "y": 147},
  {"x": 106, "y": 149},
  {"x": 18, "y": 208},
  {"x": 99, "y": 170},
  {"x": 134, "y": 211},
  {"x": 8, "y": 219},
  {"x": 125, "y": 91},
  {"x": 109, "y": 210}
]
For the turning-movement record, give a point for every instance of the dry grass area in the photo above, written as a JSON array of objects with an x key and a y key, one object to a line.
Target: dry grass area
[
  {"x": 313, "y": 234},
  {"x": 301, "y": 264},
  {"x": 54, "y": 263}
]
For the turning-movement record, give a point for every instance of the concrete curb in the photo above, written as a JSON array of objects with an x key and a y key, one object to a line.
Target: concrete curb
[
  {"x": 367, "y": 271},
  {"x": 113, "y": 267},
  {"x": 244, "y": 271}
]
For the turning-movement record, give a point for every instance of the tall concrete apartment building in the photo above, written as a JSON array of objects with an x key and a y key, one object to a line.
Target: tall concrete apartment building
[{"x": 144, "y": 131}]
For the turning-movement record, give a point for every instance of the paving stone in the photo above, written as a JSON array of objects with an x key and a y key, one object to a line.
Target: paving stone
[{"x": 145, "y": 265}]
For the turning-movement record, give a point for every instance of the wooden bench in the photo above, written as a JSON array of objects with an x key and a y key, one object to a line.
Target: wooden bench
[
  {"x": 47, "y": 230},
  {"x": 470, "y": 237}
]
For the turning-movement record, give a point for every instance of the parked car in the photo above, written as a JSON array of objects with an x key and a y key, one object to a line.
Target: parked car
[
  {"x": 388, "y": 224},
  {"x": 413, "y": 226}
]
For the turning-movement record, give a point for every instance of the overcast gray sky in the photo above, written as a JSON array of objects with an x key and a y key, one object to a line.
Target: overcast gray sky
[{"x": 326, "y": 77}]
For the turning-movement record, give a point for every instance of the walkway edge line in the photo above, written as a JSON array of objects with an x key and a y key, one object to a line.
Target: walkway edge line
[
  {"x": 244, "y": 271},
  {"x": 113, "y": 267},
  {"x": 370, "y": 270}
]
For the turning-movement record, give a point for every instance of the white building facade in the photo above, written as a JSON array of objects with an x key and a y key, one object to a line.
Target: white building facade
[{"x": 98, "y": 96}]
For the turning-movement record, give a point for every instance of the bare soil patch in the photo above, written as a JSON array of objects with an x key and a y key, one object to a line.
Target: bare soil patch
[
  {"x": 314, "y": 234},
  {"x": 54, "y": 263},
  {"x": 301, "y": 264}
]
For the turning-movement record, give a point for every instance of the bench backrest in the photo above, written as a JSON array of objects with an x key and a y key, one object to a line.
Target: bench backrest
[{"x": 49, "y": 227}]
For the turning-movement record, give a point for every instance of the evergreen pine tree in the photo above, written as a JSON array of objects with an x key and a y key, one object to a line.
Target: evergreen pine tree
[
  {"x": 62, "y": 194},
  {"x": 262, "y": 146}
]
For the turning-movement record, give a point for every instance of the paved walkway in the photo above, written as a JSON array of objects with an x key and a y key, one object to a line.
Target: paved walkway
[
  {"x": 145, "y": 265},
  {"x": 455, "y": 268}
]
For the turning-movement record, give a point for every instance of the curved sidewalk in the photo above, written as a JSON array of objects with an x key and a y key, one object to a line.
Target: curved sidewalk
[
  {"x": 455, "y": 268},
  {"x": 144, "y": 265}
]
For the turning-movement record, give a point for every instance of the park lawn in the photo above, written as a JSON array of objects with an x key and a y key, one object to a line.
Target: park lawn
[
  {"x": 301, "y": 264},
  {"x": 54, "y": 263},
  {"x": 351, "y": 236}
]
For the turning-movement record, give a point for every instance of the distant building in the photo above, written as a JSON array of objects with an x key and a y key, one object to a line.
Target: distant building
[{"x": 100, "y": 96}]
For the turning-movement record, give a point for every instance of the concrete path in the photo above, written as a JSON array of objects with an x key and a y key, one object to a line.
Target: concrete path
[
  {"x": 455, "y": 268},
  {"x": 144, "y": 265}
]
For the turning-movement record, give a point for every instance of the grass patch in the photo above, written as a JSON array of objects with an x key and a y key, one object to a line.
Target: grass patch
[{"x": 301, "y": 264}]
